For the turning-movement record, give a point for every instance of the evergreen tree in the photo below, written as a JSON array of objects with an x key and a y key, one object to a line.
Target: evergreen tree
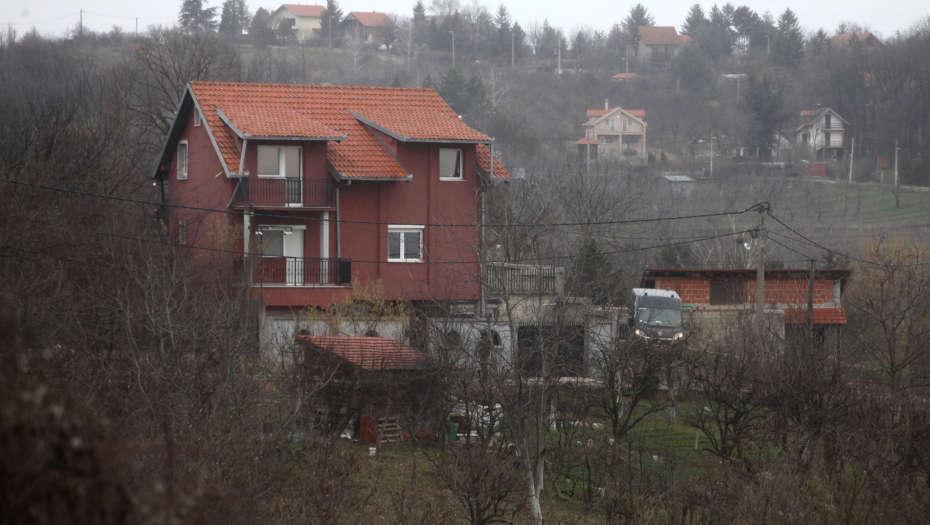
[
  {"x": 502, "y": 31},
  {"x": 719, "y": 17},
  {"x": 395, "y": 82},
  {"x": 616, "y": 41},
  {"x": 419, "y": 12},
  {"x": 260, "y": 30},
  {"x": 519, "y": 40},
  {"x": 693, "y": 71},
  {"x": 195, "y": 17},
  {"x": 330, "y": 20},
  {"x": 766, "y": 110},
  {"x": 639, "y": 16},
  {"x": 818, "y": 43},
  {"x": 452, "y": 89},
  {"x": 235, "y": 17},
  {"x": 788, "y": 45},
  {"x": 694, "y": 21},
  {"x": 594, "y": 274},
  {"x": 428, "y": 83}
]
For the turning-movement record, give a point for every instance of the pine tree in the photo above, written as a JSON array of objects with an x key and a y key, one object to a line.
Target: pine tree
[
  {"x": 428, "y": 82},
  {"x": 519, "y": 40},
  {"x": 453, "y": 89},
  {"x": 195, "y": 17},
  {"x": 419, "y": 12},
  {"x": 639, "y": 16},
  {"x": 788, "y": 45},
  {"x": 694, "y": 21},
  {"x": 818, "y": 43},
  {"x": 330, "y": 20},
  {"x": 766, "y": 110},
  {"x": 260, "y": 31},
  {"x": 502, "y": 31},
  {"x": 235, "y": 17},
  {"x": 719, "y": 17}
]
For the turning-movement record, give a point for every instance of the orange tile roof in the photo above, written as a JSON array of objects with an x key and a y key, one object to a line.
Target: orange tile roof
[
  {"x": 484, "y": 163},
  {"x": 866, "y": 38},
  {"x": 587, "y": 140},
  {"x": 371, "y": 19},
  {"x": 684, "y": 38},
  {"x": 416, "y": 112},
  {"x": 621, "y": 76},
  {"x": 821, "y": 316},
  {"x": 421, "y": 124},
  {"x": 659, "y": 36},
  {"x": 314, "y": 11},
  {"x": 276, "y": 121},
  {"x": 369, "y": 353},
  {"x": 638, "y": 113}
]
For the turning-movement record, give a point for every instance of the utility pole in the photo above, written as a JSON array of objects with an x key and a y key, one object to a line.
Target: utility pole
[
  {"x": 512, "y": 34},
  {"x": 627, "y": 60},
  {"x": 896, "y": 163},
  {"x": 558, "y": 69},
  {"x": 760, "y": 266},
  {"x": 852, "y": 155},
  {"x": 810, "y": 300},
  {"x": 453, "y": 48},
  {"x": 81, "y": 26},
  {"x": 712, "y": 156}
]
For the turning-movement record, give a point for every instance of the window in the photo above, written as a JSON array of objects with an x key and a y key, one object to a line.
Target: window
[
  {"x": 196, "y": 118},
  {"x": 606, "y": 139},
  {"x": 826, "y": 139},
  {"x": 727, "y": 292},
  {"x": 272, "y": 243},
  {"x": 612, "y": 124},
  {"x": 627, "y": 124},
  {"x": 182, "y": 160},
  {"x": 405, "y": 243},
  {"x": 450, "y": 164},
  {"x": 279, "y": 161}
]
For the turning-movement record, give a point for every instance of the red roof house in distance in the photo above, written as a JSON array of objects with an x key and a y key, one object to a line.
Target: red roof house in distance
[
  {"x": 721, "y": 290},
  {"x": 658, "y": 44},
  {"x": 302, "y": 21},
  {"x": 371, "y": 26},
  {"x": 317, "y": 185},
  {"x": 868, "y": 40}
]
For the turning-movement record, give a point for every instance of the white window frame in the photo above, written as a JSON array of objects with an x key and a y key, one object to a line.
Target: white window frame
[
  {"x": 196, "y": 118},
  {"x": 281, "y": 162},
  {"x": 606, "y": 139},
  {"x": 402, "y": 229},
  {"x": 461, "y": 168},
  {"x": 627, "y": 124},
  {"x": 612, "y": 124},
  {"x": 182, "y": 174}
]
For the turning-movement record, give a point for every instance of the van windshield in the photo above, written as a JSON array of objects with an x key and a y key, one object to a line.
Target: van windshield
[{"x": 663, "y": 317}]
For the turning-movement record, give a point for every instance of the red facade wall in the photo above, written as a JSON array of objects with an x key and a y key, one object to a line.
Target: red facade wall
[{"x": 777, "y": 291}]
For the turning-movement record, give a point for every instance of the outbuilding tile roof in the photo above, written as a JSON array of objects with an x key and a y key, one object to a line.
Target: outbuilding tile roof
[
  {"x": 368, "y": 353},
  {"x": 419, "y": 113},
  {"x": 821, "y": 316},
  {"x": 587, "y": 140}
]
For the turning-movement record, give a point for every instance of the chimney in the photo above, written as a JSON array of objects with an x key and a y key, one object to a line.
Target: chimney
[{"x": 606, "y": 104}]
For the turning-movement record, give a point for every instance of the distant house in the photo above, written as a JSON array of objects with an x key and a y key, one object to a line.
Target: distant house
[
  {"x": 658, "y": 44},
  {"x": 615, "y": 130},
  {"x": 374, "y": 27},
  {"x": 302, "y": 21},
  {"x": 824, "y": 132},
  {"x": 869, "y": 40}
]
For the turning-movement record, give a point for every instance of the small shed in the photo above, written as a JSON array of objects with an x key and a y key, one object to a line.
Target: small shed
[
  {"x": 677, "y": 186},
  {"x": 586, "y": 146}
]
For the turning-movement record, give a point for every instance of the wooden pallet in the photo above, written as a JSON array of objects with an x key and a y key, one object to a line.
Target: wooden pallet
[{"x": 389, "y": 431}]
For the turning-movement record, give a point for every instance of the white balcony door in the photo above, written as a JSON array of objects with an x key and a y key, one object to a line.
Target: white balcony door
[
  {"x": 290, "y": 165},
  {"x": 294, "y": 257}
]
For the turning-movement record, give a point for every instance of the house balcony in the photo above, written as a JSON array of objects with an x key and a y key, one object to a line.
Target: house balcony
[
  {"x": 295, "y": 271},
  {"x": 832, "y": 143},
  {"x": 523, "y": 279},
  {"x": 280, "y": 192},
  {"x": 834, "y": 126}
]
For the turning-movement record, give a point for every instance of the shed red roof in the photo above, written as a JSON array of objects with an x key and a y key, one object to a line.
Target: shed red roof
[
  {"x": 315, "y": 11},
  {"x": 623, "y": 76},
  {"x": 368, "y": 353},
  {"x": 659, "y": 36},
  {"x": 821, "y": 316},
  {"x": 588, "y": 140},
  {"x": 866, "y": 38},
  {"x": 418, "y": 114},
  {"x": 484, "y": 163},
  {"x": 371, "y": 19}
]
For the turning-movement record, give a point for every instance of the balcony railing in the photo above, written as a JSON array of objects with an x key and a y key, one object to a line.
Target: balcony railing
[
  {"x": 285, "y": 192},
  {"x": 503, "y": 279},
  {"x": 833, "y": 126},
  {"x": 833, "y": 143},
  {"x": 295, "y": 271}
]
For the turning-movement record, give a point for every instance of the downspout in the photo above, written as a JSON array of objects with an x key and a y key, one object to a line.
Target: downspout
[{"x": 484, "y": 248}]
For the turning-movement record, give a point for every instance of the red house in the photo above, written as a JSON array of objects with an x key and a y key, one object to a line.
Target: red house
[{"x": 318, "y": 185}]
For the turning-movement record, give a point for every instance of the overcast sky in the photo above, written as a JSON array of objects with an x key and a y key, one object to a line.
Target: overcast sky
[{"x": 57, "y": 16}]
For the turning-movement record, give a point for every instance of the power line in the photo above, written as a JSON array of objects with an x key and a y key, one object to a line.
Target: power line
[
  {"x": 845, "y": 255},
  {"x": 347, "y": 221},
  {"x": 43, "y": 21}
]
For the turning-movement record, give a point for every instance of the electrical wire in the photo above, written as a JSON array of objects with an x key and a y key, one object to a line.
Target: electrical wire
[{"x": 348, "y": 221}]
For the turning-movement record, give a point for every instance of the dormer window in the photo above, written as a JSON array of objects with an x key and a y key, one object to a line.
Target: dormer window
[
  {"x": 450, "y": 164},
  {"x": 279, "y": 161}
]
